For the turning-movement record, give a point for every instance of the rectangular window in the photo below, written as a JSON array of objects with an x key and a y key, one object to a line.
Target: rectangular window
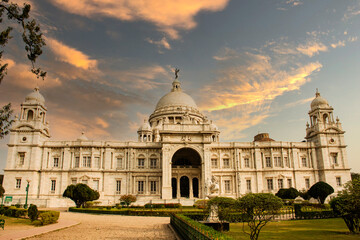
[
  {"x": 84, "y": 161},
  {"x": 289, "y": 183},
  {"x": 141, "y": 162},
  {"x": 268, "y": 161},
  {"x": 140, "y": 187},
  {"x": 53, "y": 185},
  {"x": 84, "y": 181},
  {"x": 277, "y": 161},
  {"x": 334, "y": 158},
  {"x": 270, "y": 184},
  {"x": 286, "y": 160},
  {"x": 96, "y": 185},
  {"x": 226, "y": 163},
  {"x": 153, "y": 163},
  {"x": 214, "y": 163},
  {"x": 88, "y": 163},
  {"x": 56, "y": 162},
  {"x": 119, "y": 162},
  {"x": 153, "y": 187},
  {"x": 307, "y": 183},
  {"x": 96, "y": 162},
  {"x": 338, "y": 181},
  {"x": 77, "y": 162},
  {"x": 118, "y": 186},
  {"x": 247, "y": 162},
  {"x": 304, "y": 162},
  {"x": 248, "y": 185},
  {"x": 280, "y": 183},
  {"x": 227, "y": 186},
  {"x": 21, "y": 158},
  {"x": 73, "y": 181},
  {"x": 18, "y": 183}
]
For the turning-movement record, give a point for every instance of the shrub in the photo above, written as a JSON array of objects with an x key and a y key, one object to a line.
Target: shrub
[
  {"x": 33, "y": 212},
  {"x": 108, "y": 207},
  {"x": 320, "y": 191},
  {"x": 287, "y": 193},
  {"x": 18, "y": 205},
  {"x": 2, "y": 210},
  {"x": 201, "y": 204},
  {"x": 10, "y": 212},
  {"x": 118, "y": 206},
  {"x": 80, "y": 194},
  {"x": 128, "y": 199},
  {"x": 48, "y": 217}
]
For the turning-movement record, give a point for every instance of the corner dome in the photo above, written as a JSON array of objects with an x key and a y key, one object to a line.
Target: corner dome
[
  {"x": 319, "y": 102},
  {"x": 35, "y": 97},
  {"x": 145, "y": 126},
  {"x": 82, "y": 137}
]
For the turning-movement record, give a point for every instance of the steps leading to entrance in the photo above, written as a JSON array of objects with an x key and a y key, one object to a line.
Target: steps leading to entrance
[{"x": 182, "y": 201}]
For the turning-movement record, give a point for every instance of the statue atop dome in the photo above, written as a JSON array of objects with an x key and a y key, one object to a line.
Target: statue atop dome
[{"x": 176, "y": 73}]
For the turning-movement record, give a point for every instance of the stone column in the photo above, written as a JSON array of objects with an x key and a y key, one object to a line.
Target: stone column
[
  {"x": 191, "y": 188},
  {"x": 178, "y": 195},
  {"x": 166, "y": 174}
]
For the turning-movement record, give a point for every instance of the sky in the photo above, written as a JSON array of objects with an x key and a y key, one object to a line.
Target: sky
[{"x": 251, "y": 66}]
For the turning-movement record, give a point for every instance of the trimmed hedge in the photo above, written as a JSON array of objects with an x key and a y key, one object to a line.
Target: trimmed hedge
[
  {"x": 130, "y": 212},
  {"x": 162, "y": 205},
  {"x": 316, "y": 214},
  {"x": 15, "y": 212},
  {"x": 48, "y": 217},
  {"x": 188, "y": 228}
]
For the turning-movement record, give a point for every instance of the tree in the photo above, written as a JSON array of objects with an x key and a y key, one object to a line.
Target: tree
[
  {"x": 287, "y": 193},
  {"x": 347, "y": 205},
  {"x": 5, "y": 120},
  {"x": 33, "y": 39},
  {"x": 2, "y": 191},
  {"x": 259, "y": 208},
  {"x": 355, "y": 176},
  {"x": 31, "y": 35},
  {"x": 224, "y": 206},
  {"x": 128, "y": 199},
  {"x": 320, "y": 191},
  {"x": 80, "y": 194}
]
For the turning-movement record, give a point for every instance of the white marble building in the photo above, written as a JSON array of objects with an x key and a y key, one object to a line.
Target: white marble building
[{"x": 177, "y": 152}]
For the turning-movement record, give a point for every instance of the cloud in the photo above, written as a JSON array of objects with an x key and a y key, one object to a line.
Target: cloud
[
  {"x": 167, "y": 16},
  {"x": 287, "y": 4},
  {"x": 352, "y": 11},
  {"x": 71, "y": 55},
  {"x": 162, "y": 43},
  {"x": 101, "y": 122},
  {"x": 299, "y": 102},
  {"x": 226, "y": 54},
  {"x": 311, "y": 48},
  {"x": 338, "y": 44}
]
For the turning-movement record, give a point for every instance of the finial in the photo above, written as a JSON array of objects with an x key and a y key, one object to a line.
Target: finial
[
  {"x": 337, "y": 119},
  {"x": 176, "y": 73},
  {"x": 307, "y": 124},
  {"x": 317, "y": 94},
  {"x": 36, "y": 88}
]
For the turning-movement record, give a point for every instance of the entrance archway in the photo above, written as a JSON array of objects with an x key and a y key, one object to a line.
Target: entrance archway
[
  {"x": 186, "y": 172},
  {"x": 184, "y": 187}
]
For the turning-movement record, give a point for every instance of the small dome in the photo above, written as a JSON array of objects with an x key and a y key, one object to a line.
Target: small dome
[
  {"x": 319, "y": 102},
  {"x": 145, "y": 126},
  {"x": 82, "y": 137},
  {"x": 35, "y": 97}
]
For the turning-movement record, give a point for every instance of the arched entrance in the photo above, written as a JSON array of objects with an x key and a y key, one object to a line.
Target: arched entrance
[
  {"x": 184, "y": 187},
  {"x": 186, "y": 172}
]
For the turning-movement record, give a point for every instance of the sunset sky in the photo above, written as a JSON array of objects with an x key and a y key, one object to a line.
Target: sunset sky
[{"x": 251, "y": 66}]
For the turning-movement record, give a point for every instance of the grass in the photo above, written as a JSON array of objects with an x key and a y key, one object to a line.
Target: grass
[
  {"x": 16, "y": 221},
  {"x": 328, "y": 229}
]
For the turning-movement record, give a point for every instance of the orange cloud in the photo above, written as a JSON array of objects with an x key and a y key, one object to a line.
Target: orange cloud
[
  {"x": 168, "y": 16},
  {"x": 311, "y": 48},
  {"x": 70, "y": 55},
  {"x": 161, "y": 43}
]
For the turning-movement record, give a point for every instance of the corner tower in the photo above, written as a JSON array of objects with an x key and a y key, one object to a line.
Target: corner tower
[{"x": 328, "y": 138}]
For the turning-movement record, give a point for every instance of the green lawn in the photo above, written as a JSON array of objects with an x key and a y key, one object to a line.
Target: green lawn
[
  {"x": 16, "y": 221},
  {"x": 327, "y": 229}
]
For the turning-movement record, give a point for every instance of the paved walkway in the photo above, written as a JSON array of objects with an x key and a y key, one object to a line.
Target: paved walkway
[
  {"x": 90, "y": 226},
  {"x": 20, "y": 234}
]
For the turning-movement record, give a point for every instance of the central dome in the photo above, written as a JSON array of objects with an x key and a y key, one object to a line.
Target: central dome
[{"x": 176, "y": 98}]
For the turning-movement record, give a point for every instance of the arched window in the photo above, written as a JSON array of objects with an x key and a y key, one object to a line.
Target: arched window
[
  {"x": 30, "y": 115},
  {"x": 325, "y": 117}
]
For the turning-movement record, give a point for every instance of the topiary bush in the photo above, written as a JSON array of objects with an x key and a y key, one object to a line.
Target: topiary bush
[
  {"x": 48, "y": 217},
  {"x": 33, "y": 212},
  {"x": 287, "y": 193}
]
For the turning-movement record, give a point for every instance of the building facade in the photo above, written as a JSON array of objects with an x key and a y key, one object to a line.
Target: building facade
[{"x": 177, "y": 152}]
